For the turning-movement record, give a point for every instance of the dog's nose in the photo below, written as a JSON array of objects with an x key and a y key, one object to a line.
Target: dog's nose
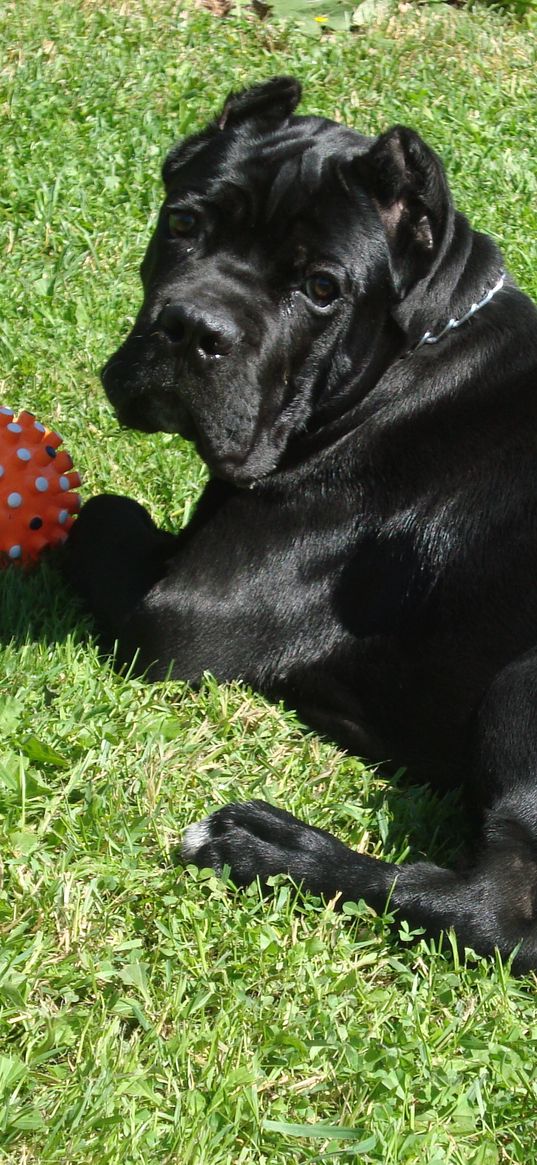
[{"x": 207, "y": 332}]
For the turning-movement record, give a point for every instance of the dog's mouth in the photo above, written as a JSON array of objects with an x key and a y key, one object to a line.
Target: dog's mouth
[
  {"x": 138, "y": 404},
  {"x": 153, "y": 410}
]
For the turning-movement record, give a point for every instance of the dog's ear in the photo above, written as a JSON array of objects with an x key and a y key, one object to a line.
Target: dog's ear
[
  {"x": 407, "y": 183},
  {"x": 270, "y": 102}
]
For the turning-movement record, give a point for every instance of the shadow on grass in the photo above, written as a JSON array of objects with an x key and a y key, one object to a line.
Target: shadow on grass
[
  {"x": 422, "y": 814},
  {"x": 38, "y": 605},
  {"x": 418, "y": 823}
]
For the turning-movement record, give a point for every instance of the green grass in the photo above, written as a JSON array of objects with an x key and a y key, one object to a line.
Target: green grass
[{"x": 150, "y": 1014}]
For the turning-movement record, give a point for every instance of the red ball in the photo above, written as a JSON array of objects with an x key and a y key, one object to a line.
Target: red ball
[{"x": 37, "y": 502}]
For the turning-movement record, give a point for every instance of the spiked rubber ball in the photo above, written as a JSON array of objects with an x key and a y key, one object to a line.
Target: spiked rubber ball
[{"x": 37, "y": 483}]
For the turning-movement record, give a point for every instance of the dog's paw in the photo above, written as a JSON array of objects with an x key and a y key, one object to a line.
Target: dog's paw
[{"x": 256, "y": 840}]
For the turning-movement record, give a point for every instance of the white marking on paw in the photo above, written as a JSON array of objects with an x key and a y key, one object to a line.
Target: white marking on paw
[{"x": 194, "y": 837}]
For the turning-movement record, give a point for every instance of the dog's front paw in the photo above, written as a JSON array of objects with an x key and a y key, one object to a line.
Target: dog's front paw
[
  {"x": 255, "y": 840},
  {"x": 113, "y": 555}
]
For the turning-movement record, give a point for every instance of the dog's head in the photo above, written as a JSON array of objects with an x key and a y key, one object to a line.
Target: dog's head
[{"x": 283, "y": 246}]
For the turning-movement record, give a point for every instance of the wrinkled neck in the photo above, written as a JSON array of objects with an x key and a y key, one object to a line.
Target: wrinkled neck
[
  {"x": 336, "y": 412},
  {"x": 467, "y": 266}
]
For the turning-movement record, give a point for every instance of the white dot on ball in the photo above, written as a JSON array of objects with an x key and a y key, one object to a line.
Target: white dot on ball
[
  {"x": 14, "y": 552},
  {"x": 14, "y": 428},
  {"x": 41, "y": 484},
  {"x": 40, "y": 428},
  {"x": 2, "y": 470},
  {"x": 6, "y": 412},
  {"x": 24, "y": 454},
  {"x": 64, "y": 482},
  {"x": 63, "y": 516},
  {"x": 14, "y": 501}
]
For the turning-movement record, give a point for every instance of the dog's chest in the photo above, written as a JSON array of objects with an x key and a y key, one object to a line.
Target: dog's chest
[{"x": 276, "y": 585}]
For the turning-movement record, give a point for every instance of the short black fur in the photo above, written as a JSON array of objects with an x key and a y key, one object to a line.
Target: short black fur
[{"x": 366, "y": 547}]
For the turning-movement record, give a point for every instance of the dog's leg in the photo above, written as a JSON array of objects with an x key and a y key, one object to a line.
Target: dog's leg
[
  {"x": 492, "y": 904},
  {"x": 113, "y": 556}
]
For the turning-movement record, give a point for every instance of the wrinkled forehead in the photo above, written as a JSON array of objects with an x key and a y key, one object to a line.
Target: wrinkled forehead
[
  {"x": 299, "y": 164},
  {"x": 293, "y": 161}
]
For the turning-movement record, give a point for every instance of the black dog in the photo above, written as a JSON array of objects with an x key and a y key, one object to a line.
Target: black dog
[{"x": 360, "y": 376}]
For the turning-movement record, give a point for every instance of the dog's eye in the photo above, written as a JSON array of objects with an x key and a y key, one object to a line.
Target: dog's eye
[
  {"x": 321, "y": 289},
  {"x": 181, "y": 222}
]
